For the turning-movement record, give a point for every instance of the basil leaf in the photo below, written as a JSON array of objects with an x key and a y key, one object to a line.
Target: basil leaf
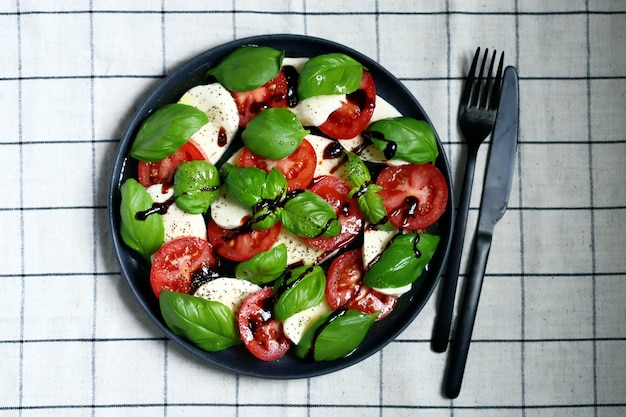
[
  {"x": 335, "y": 335},
  {"x": 357, "y": 170},
  {"x": 403, "y": 261},
  {"x": 210, "y": 325},
  {"x": 263, "y": 267},
  {"x": 405, "y": 138},
  {"x": 248, "y": 67},
  {"x": 274, "y": 133},
  {"x": 143, "y": 236},
  {"x": 196, "y": 186},
  {"x": 244, "y": 184},
  {"x": 329, "y": 74},
  {"x": 303, "y": 288},
  {"x": 275, "y": 185},
  {"x": 371, "y": 205},
  {"x": 166, "y": 130},
  {"x": 306, "y": 214}
]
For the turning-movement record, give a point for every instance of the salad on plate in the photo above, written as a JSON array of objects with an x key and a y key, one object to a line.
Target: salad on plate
[{"x": 282, "y": 205}]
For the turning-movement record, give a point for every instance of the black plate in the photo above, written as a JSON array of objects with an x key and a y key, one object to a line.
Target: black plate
[{"x": 136, "y": 271}]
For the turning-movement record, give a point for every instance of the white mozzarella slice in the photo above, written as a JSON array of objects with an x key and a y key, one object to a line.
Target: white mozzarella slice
[
  {"x": 227, "y": 213},
  {"x": 297, "y": 250},
  {"x": 374, "y": 242},
  {"x": 297, "y": 63},
  {"x": 371, "y": 153},
  {"x": 295, "y": 326},
  {"x": 231, "y": 292},
  {"x": 177, "y": 223},
  {"x": 216, "y": 101},
  {"x": 314, "y": 111},
  {"x": 395, "y": 292},
  {"x": 327, "y": 166}
]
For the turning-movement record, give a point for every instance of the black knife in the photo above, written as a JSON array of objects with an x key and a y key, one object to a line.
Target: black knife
[{"x": 496, "y": 190}]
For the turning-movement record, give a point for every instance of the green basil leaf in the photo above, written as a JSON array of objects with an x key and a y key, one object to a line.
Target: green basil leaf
[
  {"x": 274, "y": 133},
  {"x": 166, "y": 130},
  {"x": 335, "y": 335},
  {"x": 373, "y": 209},
  {"x": 143, "y": 236},
  {"x": 329, "y": 74},
  {"x": 244, "y": 184},
  {"x": 210, "y": 325},
  {"x": 196, "y": 186},
  {"x": 275, "y": 185},
  {"x": 306, "y": 214},
  {"x": 264, "y": 267},
  {"x": 405, "y": 138},
  {"x": 303, "y": 288},
  {"x": 248, "y": 67},
  {"x": 357, "y": 170},
  {"x": 403, "y": 261}
]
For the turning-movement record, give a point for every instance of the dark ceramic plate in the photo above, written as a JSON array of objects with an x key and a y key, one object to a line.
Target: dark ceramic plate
[{"x": 136, "y": 271}]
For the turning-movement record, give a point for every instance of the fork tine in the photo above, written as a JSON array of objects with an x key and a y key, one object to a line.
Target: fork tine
[
  {"x": 469, "y": 82},
  {"x": 497, "y": 84},
  {"x": 479, "y": 80},
  {"x": 484, "y": 96}
]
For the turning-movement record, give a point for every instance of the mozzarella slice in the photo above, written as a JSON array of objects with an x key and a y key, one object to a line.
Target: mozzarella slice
[
  {"x": 177, "y": 223},
  {"x": 231, "y": 292},
  {"x": 297, "y": 63},
  {"x": 297, "y": 250},
  {"x": 227, "y": 213},
  {"x": 216, "y": 101},
  {"x": 295, "y": 326},
  {"x": 396, "y": 292},
  {"x": 314, "y": 111},
  {"x": 374, "y": 242},
  {"x": 325, "y": 165}
]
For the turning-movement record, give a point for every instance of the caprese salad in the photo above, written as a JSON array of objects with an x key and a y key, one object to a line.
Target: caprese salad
[{"x": 282, "y": 205}]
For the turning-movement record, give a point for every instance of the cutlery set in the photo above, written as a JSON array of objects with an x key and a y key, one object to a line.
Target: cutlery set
[{"x": 488, "y": 105}]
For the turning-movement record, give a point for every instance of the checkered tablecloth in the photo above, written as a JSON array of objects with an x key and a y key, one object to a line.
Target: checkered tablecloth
[{"x": 550, "y": 336}]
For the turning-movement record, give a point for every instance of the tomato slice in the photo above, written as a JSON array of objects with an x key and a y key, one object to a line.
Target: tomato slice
[
  {"x": 344, "y": 278},
  {"x": 335, "y": 192},
  {"x": 241, "y": 244},
  {"x": 162, "y": 172},
  {"x": 370, "y": 301},
  {"x": 415, "y": 196},
  {"x": 261, "y": 334},
  {"x": 175, "y": 263},
  {"x": 298, "y": 167},
  {"x": 344, "y": 287},
  {"x": 353, "y": 116},
  {"x": 271, "y": 94}
]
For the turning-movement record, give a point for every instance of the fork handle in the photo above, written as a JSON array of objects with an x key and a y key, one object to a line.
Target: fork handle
[
  {"x": 443, "y": 318},
  {"x": 467, "y": 315}
]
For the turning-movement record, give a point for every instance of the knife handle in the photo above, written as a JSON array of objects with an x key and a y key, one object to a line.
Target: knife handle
[
  {"x": 443, "y": 319},
  {"x": 467, "y": 315}
]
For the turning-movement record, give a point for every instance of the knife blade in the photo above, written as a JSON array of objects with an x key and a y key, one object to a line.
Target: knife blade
[{"x": 494, "y": 202}]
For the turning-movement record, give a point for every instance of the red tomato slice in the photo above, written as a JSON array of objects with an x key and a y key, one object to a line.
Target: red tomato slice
[
  {"x": 239, "y": 244},
  {"x": 344, "y": 278},
  {"x": 298, "y": 167},
  {"x": 162, "y": 172},
  {"x": 262, "y": 335},
  {"x": 344, "y": 287},
  {"x": 415, "y": 196},
  {"x": 353, "y": 116},
  {"x": 370, "y": 301},
  {"x": 176, "y": 261},
  {"x": 335, "y": 192},
  {"x": 272, "y": 94}
]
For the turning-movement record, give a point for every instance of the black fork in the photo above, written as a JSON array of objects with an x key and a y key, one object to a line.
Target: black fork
[{"x": 477, "y": 115}]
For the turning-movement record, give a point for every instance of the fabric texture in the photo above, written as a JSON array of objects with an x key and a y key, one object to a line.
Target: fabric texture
[{"x": 550, "y": 335}]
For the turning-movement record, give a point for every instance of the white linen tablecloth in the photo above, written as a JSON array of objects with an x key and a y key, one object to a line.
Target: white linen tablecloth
[{"x": 550, "y": 336}]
